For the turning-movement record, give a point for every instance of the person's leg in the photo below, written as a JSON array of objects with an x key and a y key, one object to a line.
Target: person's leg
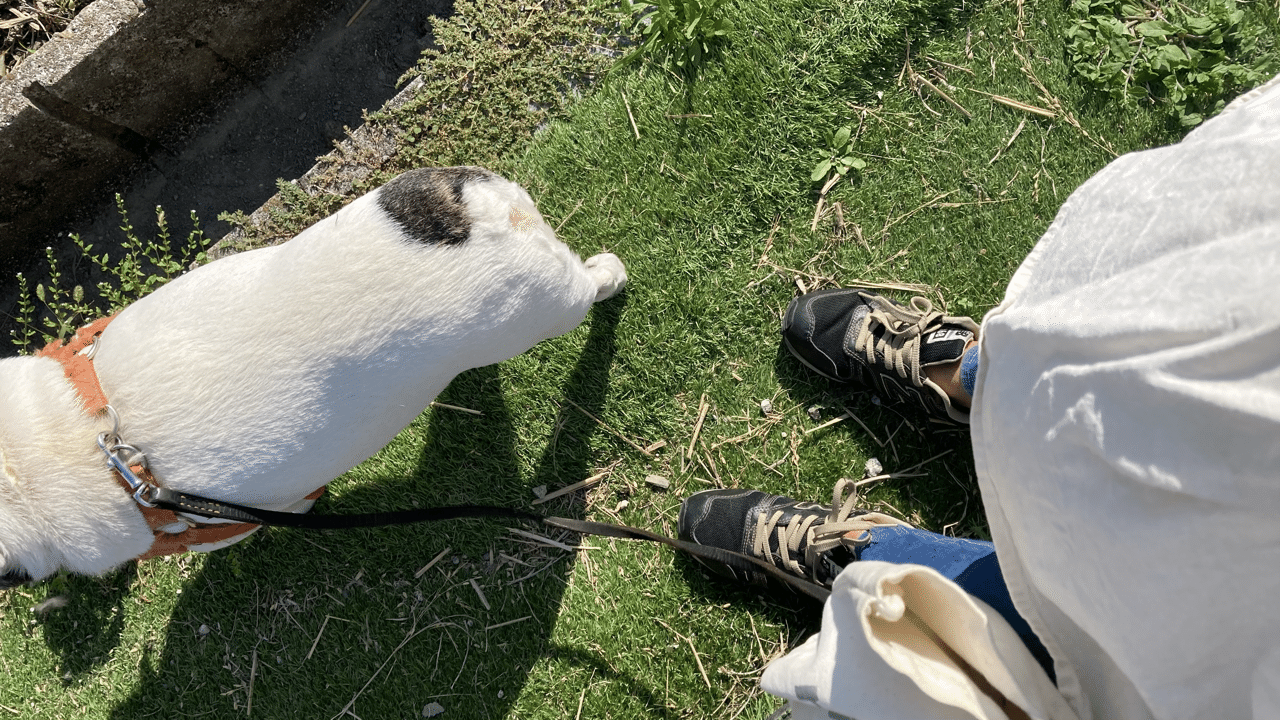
[
  {"x": 816, "y": 542},
  {"x": 913, "y": 352},
  {"x": 957, "y": 377}
]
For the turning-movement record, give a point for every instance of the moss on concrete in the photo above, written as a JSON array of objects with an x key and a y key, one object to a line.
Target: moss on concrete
[{"x": 500, "y": 70}]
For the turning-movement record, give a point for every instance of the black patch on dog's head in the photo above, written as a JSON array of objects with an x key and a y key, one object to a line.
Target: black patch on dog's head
[
  {"x": 428, "y": 205},
  {"x": 13, "y": 578}
]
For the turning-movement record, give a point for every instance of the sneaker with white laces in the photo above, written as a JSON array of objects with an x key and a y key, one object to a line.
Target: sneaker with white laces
[
  {"x": 855, "y": 335},
  {"x": 808, "y": 540}
]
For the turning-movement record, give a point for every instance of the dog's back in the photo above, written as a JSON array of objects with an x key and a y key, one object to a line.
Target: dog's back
[{"x": 262, "y": 376}]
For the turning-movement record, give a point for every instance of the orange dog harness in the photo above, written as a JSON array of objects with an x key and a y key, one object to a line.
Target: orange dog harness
[{"x": 173, "y": 534}]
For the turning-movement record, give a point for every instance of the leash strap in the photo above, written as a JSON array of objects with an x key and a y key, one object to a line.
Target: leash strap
[
  {"x": 735, "y": 560},
  {"x": 196, "y": 505},
  {"x": 78, "y": 367}
]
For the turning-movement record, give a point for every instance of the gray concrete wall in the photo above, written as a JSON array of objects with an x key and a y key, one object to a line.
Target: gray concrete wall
[{"x": 102, "y": 95}]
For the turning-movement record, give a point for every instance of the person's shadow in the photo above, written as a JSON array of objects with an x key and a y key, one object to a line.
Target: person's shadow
[{"x": 313, "y": 624}]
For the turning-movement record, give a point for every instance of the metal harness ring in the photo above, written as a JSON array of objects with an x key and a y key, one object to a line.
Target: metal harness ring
[{"x": 113, "y": 448}]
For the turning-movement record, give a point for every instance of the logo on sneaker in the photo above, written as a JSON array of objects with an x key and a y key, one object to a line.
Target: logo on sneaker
[{"x": 948, "y": 334}]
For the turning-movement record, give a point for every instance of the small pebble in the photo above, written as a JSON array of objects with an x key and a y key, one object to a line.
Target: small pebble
[
  {"x": 432, "y": 709},
  {"x": 658, "y": 481},
  {"x": 540, "y": 491},
  {"x": 204, "y": 630},
  {"x": 874, "y": 468},
  {"x": 815, "y": 413},
  {"x": 766, "y": 407},
  {"x": 875, "y": 399},
  {"x": 500, "y": 694}
]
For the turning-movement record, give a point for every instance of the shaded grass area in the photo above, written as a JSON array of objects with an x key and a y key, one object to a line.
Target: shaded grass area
[{"x": 712, "y": 209}]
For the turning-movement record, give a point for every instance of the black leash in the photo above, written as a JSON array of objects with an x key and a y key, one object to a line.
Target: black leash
[
  {"x": 735, "y": 560},
  {"x": 196, "y": 505}
]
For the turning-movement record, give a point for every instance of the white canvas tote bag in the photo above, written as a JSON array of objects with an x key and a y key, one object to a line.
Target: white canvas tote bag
[{"x": 902, "y": 642}]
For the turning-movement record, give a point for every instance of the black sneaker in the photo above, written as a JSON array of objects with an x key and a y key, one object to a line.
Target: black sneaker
[
  {"x": 855, "y": 335},
  {"x": 804, "y": 539}
]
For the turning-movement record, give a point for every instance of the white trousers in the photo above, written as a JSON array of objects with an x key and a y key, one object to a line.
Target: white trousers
[{"x": 1126, "y": 428}]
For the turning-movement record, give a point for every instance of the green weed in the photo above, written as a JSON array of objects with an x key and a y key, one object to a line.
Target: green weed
[
  {"x": 686, "y": 32},
  {"x": 143, "y": 267},
  {"x": 1192, "y": 61},
  {"x": 838, "y": 157}
]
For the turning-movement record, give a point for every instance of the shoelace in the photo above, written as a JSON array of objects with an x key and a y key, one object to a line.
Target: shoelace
[
  {"x": 817, "y": 535},
  {"x": 900, "y": 343}
]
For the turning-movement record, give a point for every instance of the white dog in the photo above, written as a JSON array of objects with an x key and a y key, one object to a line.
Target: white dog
[{"x": 258, "y": 378}]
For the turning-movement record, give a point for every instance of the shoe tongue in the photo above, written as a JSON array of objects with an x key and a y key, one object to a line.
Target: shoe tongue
[{"x": 944, "y": 344}]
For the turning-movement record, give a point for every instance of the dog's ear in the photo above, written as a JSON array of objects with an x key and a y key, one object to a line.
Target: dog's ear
[{"x": 13, "y": 577}]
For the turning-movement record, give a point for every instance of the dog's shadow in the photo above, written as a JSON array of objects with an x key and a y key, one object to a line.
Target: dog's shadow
[{"x": 315, "y": 624}]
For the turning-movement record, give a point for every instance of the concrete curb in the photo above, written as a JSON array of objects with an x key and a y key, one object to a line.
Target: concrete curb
[
  {"x": 107, "y": 92},
  {"x": 364, "y": 151}
]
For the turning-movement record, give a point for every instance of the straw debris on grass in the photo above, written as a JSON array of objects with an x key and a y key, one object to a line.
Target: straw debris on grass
[{"x": 26, "y": 25}]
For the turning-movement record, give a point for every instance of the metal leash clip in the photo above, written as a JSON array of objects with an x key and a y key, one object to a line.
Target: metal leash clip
[{"x": 122, "y": 455}]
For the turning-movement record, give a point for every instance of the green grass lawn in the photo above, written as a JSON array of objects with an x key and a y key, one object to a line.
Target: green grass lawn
[{"x": 702, "y": 186}]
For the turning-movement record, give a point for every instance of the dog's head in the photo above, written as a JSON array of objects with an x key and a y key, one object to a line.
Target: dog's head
[
  {"x": 60, "y": 508},
  {"x": 84, "y": 524}
]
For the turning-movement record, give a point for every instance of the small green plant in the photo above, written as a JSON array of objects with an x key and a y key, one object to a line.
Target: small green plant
[
  {"x": 237, "y": 219},
  {"x": 67, "y": 309},
  {"x": 143, "y": 267},
  {"x": 1193, "y": 61},
  {"x": 298, "y": 208},
  {"x": 688, "y": 32},
  {"x": 25, "y": 335},
  {"x": 838, "y": 158}
]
